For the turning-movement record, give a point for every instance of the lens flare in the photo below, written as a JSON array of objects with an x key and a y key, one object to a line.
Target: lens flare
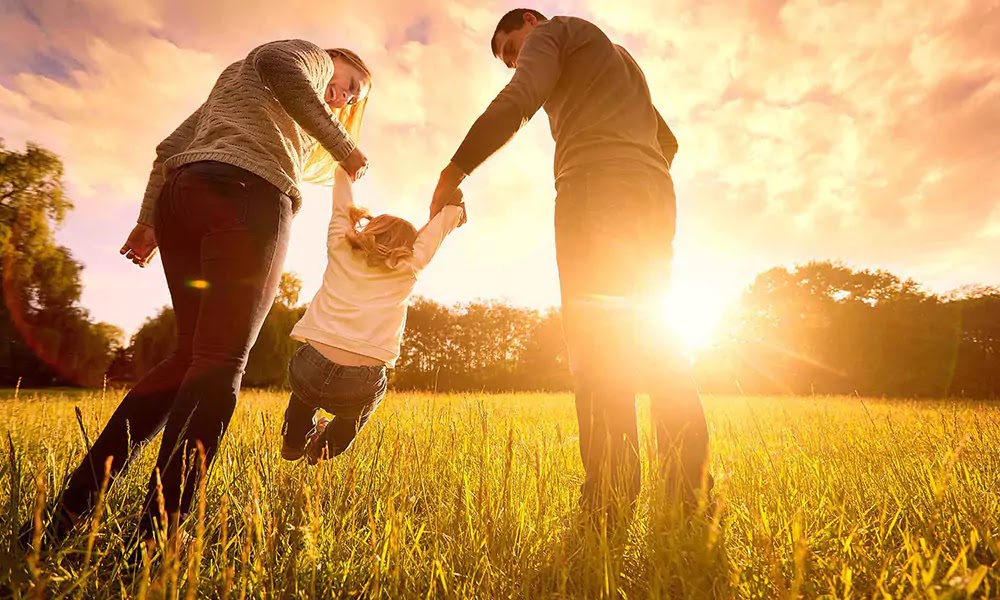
[{"x": 692, "y": 317}]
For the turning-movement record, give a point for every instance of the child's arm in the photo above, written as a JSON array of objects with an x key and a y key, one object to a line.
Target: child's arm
[
  {"x": 432, "y": 235},
  {"x": 343, "y": 202}
]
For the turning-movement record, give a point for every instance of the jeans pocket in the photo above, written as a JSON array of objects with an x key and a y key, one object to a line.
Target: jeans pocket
[
  {"x": 218, "y": 198},
  {"x": 347, "y": 396},
  {"x": 305, "y": 377}
]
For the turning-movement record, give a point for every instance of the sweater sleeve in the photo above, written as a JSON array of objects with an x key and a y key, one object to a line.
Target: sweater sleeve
[
  {"x": 538, "y": 69},
  {"x": 175, "y": 143},
  {"x": 289, "y": 69},
  {"x": 429, "y": 240}
]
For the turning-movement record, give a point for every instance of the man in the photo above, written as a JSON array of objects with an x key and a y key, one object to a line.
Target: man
[{"x": 614, "y": 219}]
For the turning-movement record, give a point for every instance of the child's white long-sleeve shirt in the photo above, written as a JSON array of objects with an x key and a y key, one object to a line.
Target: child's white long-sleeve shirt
[{"x": 360, "y": 308}]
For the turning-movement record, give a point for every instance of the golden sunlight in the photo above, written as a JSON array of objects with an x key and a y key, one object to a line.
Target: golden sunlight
[{"x": 693, "y": 316}]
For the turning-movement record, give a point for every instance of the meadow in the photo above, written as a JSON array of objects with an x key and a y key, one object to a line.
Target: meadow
[{"x": 475, "y": 496}]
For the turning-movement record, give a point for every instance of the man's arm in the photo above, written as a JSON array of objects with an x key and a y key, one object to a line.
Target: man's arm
[
  {"x": 666, "y": 139},
  {"x": 538, "y": 70}
]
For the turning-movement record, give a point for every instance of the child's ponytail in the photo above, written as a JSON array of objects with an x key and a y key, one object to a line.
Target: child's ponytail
[{"x": 385, "y": 240}]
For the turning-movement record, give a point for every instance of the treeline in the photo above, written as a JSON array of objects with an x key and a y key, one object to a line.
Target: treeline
[
  {"x": 825, "y": 328},
  {"x": 819, "y": 328},
  {"x": 268, "y": 361},
  {"x": 477, "y": 346}
]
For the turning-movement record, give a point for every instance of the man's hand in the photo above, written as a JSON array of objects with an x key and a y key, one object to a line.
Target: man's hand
[
  {"x": 446, "y": 188},
  {"x": 355, "y": 164},
  {"x": 140, "y": 247},
  {"x": 454, "y": 197},
  {"x": 444, "y": 194}
]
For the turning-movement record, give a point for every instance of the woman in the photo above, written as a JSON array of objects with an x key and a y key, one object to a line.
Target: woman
[{"x": 219, "y": 204}]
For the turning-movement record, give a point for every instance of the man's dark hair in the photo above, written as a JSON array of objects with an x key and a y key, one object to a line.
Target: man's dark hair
[{"x": 512, "y": 21}]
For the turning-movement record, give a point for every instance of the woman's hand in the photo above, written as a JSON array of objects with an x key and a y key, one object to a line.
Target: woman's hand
[
  {"x": 140, "y": 247},
  {"x": 355, "y": 164}
]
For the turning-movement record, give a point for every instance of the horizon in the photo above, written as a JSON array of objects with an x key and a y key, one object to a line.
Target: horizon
[{"x": 782, "y": 160}]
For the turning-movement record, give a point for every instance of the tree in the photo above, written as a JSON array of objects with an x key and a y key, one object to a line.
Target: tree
[
  {"x": 427, "y": 345},
  {"x": 289, "y": 288},
  {"x": 153, "y": 342},
  {"x": 544, "y": 362},
  {"x": 823, "y": 327},
  {"x": 31, "y": 198},
  {"x": 490, "y": 339},
  {"x": 267, "y": 365},
  {"x": 977, "y": 358},
  {"x": 483, "y": 345},
  {"x": 46, "y": 337}
]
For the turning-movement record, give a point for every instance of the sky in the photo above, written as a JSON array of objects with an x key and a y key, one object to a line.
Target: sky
[{"x": 860, "y": 131}]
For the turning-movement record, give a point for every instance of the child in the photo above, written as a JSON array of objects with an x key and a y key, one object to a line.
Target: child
[{"x": 354, "y": 324}]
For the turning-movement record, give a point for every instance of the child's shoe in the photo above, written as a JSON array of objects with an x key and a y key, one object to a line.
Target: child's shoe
[
  {"x": 316, "y": 448},
  {"x": 290, "y": 452}
]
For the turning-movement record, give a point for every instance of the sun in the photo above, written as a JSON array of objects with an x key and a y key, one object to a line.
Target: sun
[{"x": 693, "y": 317}]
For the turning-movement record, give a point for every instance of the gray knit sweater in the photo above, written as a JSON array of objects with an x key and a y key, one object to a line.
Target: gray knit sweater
[
  {"x": 596, "y": 96},
  {"x": 264, "y": 115}
]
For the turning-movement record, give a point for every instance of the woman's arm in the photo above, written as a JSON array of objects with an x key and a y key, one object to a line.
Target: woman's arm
[{"x": 288, "y": 68}]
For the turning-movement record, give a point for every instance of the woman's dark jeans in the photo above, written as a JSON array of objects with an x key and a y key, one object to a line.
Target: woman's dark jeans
[{"x": 222, "y": 233}]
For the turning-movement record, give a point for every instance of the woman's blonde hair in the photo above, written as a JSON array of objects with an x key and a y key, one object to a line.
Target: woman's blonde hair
[
  {"x": 319, "y": 165},
  {"x": 385, "y": 240}
]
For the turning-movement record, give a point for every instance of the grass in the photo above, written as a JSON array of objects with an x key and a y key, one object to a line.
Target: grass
[{"x": 475, "y": 496}]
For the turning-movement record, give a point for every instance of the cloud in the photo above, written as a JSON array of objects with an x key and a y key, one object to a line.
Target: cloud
[
  {"x": 865, "y": 131},
  {"x": 99, "y": 120},
  {"x": 860, "y": 130}
]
